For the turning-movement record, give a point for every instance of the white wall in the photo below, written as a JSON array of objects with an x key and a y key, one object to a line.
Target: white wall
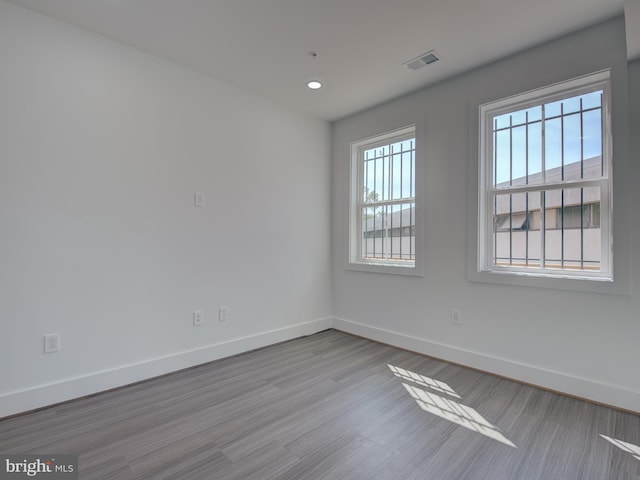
[
  {"x": 101, "y": 150},
  {"x": 581, "y": 343}
]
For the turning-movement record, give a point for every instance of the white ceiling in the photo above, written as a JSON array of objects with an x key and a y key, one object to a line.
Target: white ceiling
[{"x": 263, "y": 46}]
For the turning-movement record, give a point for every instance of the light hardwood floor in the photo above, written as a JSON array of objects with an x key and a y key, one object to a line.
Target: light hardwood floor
[{"x": 331, "y": 406}]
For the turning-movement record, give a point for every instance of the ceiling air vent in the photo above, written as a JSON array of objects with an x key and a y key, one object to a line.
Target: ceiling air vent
[{"x": 425, "y": 59}]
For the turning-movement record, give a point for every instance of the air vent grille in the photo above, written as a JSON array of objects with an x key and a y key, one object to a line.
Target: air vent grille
[{"x": 422, "y": 60}]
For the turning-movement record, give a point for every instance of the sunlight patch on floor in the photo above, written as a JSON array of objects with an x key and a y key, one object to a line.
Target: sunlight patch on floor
[
  {"x": 624, "y": 446},
  {"x": 422, "y": 380},
  {"x": 445, "y": 407}
]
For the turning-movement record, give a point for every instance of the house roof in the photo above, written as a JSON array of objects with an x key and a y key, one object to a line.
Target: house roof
[{"x": 399, "y": 219}]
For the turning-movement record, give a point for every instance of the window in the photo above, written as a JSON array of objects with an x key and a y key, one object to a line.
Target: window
[
  {"x": 383, "y": 201},
  {"x": 545, "y": 182}
]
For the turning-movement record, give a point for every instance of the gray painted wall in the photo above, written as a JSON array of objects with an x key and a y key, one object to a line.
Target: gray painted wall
[{"x": 552, "y": 333}]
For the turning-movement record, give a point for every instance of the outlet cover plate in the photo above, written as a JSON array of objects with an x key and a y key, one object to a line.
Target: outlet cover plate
[{"x": 51, "y": 343}]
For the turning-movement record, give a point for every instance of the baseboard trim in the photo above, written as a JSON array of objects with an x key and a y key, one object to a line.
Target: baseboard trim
[
  {"x": 18, "y": 402},
  {"x": 42, "y": 396},
  {"x": 598, "y": 392}
]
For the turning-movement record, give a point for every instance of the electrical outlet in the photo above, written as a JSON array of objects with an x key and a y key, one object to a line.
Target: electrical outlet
[
  {"x": 455, "y": 317},
  {"x": 198, "y": 199},
  {"x": 223, "y": 314},
  {"x": 51, "y": 343},
  {"x": 197, "y": 318}
]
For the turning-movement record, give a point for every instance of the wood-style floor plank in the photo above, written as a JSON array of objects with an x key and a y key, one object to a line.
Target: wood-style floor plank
[{"x": 331, "y": 406}]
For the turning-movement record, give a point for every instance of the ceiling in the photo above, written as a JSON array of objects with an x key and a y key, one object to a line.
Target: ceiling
[{"x": 263, "y": 46}]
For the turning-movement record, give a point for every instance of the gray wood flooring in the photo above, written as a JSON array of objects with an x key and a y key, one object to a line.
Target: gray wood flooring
[{"x": 332, "y": 406}]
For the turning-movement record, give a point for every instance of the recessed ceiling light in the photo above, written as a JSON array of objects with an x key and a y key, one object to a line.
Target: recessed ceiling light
[{"x": 314, "y": 84}]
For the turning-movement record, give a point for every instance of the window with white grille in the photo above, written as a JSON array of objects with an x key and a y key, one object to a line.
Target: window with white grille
[
  {"x": 545, "y": 182},
  {"x": 383, "y": 213}
]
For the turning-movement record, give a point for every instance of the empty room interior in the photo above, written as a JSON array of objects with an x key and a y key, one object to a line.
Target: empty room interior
[{"x": 284, "y": 239}]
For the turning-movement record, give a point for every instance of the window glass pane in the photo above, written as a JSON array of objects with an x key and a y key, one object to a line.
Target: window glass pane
[
  {"x": 592, "y": 240},
  {"x": 368, "y": 189},
  {"x": 384, "y": 175},
  {"x": 516, "y": 220},
  {"x": 518, "y": 118},
  {"x": 535, "y": 153},
  {"x": 407, "y": 174},
  {"x": 371, "y": 231},
  {"x": 377, "y": 181},
  {"x": 553, "y": 150},
  {"x": 369, "y": 154},
  {"x": 396, "y": 175},
  {"x": 401, "y": 231},
  {"x": 408, "y": 145},
  {"x": 592, "y": 143},
  {"x": 502, "y": 230},
  {"x": 502, "y": 121},
  {"x": 595, "y": 213},
  {"x": 552, "y": 109},
  {"x": 388, "y": 232},
  {"x": 534, "y": 113},
  {"x": 373, "y": 171},
  {"x": 572, "y": 216},
  {"x": 571, "y": 147},
  {"x": 571, "y": 105},
  {"x": 591, "y": 100},
  {"x": 572, "y": 233},
  {"x": 394, "y": 172},
  {"x": 519, "y": 155},
  {"x": 520, "y": 233},
  {"x": 573, "y": 222},
  {"x": 552, "y": 230},
  {"x": 502, "y": 172}
]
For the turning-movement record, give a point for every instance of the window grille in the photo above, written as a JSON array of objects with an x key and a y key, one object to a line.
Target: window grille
[
  {"x": 385, "y": 204},
  {"x": 545, "y": 181}
]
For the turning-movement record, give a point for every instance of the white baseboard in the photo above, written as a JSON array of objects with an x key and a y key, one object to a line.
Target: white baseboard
[
  {"x": 43, "y": 395},
  {"x": 593, "y": 390}
]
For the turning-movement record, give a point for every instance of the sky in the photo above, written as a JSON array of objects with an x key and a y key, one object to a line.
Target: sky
[
  {"x": 511, "y": 157},
  {"x": 519, "y": 145},
  {"x": 400, "y": 183}
]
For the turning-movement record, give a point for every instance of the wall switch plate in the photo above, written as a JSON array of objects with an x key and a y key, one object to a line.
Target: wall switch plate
[
  {"x": 197, "y": 318},
  {"x": 455, "y": 317},
  {"x": 51, "y": 343},
  {"x": 198, "y": 199},
  {"x": 223, "y": 314}
]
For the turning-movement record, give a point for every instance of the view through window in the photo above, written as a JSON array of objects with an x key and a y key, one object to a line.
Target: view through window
[
  {"x": 547, "y": 170},
  {"x": 386, "y": 205}
]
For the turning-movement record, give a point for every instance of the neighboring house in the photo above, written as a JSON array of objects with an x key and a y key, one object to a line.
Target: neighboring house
[
  {"x": 572, "y": 219},
  {"x": 389, "y": 235}
]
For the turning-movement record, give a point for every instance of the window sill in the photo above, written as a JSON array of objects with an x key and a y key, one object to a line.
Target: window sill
[
  {"x": 554, "y": 282},
  {"x": 390, "y": 269}
]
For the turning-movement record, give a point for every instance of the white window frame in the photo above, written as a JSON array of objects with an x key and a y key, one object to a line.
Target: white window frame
[
  {"x": 574, "y": 87},
  {"x": 355, "y": 260}
]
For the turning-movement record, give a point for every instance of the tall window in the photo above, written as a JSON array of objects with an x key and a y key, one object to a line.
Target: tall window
[
  {"x": 545, "y": 181},
  {"x": 384, "y": 200}
]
